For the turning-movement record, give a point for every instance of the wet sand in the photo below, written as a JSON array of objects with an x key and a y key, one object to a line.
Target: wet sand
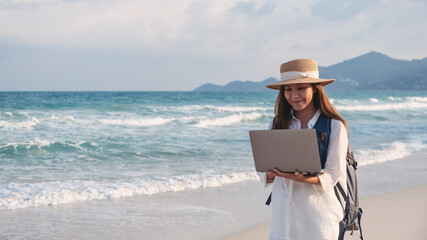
[{"x": 394, "y": 215}]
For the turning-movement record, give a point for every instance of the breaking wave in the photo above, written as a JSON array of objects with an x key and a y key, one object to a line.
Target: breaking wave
[
  {"x": 394, "y": 151},
  {"x": 229, "y": 120},
  {"x": 25, "y": 195}
]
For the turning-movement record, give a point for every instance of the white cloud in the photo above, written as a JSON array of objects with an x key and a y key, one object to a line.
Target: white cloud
[
  {"x": 95, "y": 23},
  {"x": 252, "y": 10},
  {"x": 238, "y": 39},
  {"x": 337, "y": 10}
]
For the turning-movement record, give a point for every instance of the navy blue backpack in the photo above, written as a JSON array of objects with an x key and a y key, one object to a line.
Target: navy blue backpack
[{"x": 349, "y": 201}]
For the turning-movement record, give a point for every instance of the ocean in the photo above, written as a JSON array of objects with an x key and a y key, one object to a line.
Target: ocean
[{"x": 77, "y": 155}]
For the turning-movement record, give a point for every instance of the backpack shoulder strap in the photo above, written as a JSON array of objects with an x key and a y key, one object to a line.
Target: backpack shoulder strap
[
  {"x": 323, "y": 131},
  {"x": 323, "y": 123}
]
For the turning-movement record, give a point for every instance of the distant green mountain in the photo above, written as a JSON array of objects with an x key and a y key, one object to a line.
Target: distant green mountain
[
  {"x": 237, "y": 86},
  {"x": 375, "y": 70},
  {"x": 371, "y": 71}
]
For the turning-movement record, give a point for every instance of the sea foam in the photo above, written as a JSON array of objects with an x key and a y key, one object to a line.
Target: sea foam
[
  {"x": 29, "y": 124},
  {"x": 228, "y": 120},
  {"x": 141, "y": 122},
  {"x": 13, "y": 148},
  {"x": 415, "y": 105},
  {"x": 394, "y": 151},
  {"x": 237, "y": 109},
  {"x": 375, "y": 104},
  {"x": 24, "y": 195}
]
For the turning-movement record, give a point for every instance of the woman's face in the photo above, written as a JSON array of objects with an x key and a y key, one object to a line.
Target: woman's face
[{"x": 299, "y": 96}]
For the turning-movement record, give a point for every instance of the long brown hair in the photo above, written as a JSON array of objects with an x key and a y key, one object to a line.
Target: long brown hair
[{"x": 283, "y": 109}]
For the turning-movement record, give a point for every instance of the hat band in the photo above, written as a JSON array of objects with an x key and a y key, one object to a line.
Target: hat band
[{"x": 295, "y": 74}]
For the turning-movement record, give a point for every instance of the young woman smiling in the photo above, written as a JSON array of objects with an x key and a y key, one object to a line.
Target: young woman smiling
[{"x": 305, "y": 206}]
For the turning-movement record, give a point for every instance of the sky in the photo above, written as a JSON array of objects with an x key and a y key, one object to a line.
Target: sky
[{"x": 178, "y": 45}]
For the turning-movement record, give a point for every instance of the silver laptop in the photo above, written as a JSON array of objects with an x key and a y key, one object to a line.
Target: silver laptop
[{"x": 286, "y": 149}]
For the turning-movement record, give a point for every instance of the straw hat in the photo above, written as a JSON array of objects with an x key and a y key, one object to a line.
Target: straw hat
[{"x": 299, "y": 71}]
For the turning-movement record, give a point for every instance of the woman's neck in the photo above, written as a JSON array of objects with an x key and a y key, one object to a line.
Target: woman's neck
[{"x": 306, "y": 115}]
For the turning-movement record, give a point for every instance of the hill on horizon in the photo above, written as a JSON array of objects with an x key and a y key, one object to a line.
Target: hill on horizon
[{"x": 371, "y": 71}]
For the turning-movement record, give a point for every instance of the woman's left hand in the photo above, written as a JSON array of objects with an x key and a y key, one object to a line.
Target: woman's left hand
[{"x": 298, "y": 177}]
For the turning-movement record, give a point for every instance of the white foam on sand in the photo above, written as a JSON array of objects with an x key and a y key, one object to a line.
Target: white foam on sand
[{"x": 24, "y": 195}]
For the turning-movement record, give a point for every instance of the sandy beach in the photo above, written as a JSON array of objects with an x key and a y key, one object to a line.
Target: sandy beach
[
  {"x": 393, "y": 198},
  {"x": 395, "y": 215}
]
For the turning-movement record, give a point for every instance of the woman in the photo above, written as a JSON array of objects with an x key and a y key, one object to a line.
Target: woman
[{"x": 305, "y": 206}]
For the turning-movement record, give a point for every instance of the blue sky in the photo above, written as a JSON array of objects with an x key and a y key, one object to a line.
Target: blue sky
[{"x": 172, "y": 45}]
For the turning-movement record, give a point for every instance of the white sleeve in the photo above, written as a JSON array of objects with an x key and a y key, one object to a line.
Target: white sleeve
[
  {"x": 270, "y": 126},
  {"x": 263, "y": 175},
  {"x": 263, "y": 178},
  {"x": 335, "y": 160}
]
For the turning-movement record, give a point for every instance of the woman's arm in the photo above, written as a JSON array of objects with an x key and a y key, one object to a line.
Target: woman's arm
[{"x": 299, "y": 177}]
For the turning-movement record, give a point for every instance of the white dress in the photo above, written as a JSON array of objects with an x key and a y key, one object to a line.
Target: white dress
[{"x": 306, "y": 211}]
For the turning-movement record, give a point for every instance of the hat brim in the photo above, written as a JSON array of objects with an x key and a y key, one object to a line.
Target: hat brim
[{"x": 322, "y": 82}]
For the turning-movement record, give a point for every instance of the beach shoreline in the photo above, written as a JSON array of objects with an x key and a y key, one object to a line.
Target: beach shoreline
[
  {"x": 388, "y": 216},
  {"x": 227, "y": 212}
]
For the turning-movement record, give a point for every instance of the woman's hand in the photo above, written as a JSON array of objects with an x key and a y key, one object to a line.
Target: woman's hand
[
  {"x": 270, "y": 176},
  {"x": 297, "y": 176}
]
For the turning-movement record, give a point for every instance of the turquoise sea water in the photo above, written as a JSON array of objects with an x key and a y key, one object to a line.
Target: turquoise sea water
[{"x": 67, "y": 147}]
